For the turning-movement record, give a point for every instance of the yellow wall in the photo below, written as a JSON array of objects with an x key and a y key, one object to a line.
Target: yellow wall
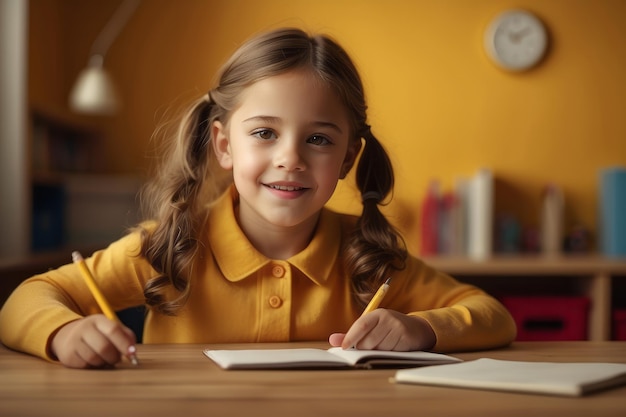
[{"x": 437, "y": 103}]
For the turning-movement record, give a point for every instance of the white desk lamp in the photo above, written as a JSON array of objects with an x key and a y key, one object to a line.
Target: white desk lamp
[{"x": 94, "y": 91}]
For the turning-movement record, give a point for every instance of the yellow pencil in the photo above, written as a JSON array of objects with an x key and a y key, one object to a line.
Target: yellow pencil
[
  {"x": 97, "y": 294},
  {"x": 378, "y": 297}
]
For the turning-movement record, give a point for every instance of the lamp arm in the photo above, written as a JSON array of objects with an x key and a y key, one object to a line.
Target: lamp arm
[{"x": 113, "y": 28}]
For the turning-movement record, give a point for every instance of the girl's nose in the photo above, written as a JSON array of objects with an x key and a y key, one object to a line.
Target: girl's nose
[{"x": 288, "y": 156}]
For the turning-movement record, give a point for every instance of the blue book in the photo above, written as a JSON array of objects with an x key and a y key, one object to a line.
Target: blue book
[
  {"x": 48, "y": 217},
  {"x": 613, "y": 212}
]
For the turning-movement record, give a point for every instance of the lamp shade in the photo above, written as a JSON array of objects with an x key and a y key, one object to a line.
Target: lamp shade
[{"x": 94, "y": 92}]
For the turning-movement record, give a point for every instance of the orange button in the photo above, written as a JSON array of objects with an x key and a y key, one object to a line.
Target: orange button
[
  {"x": 275, "y": 301},
  {"x": 278, "y": 271}
]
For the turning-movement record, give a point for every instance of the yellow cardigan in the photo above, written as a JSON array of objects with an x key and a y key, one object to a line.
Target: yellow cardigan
[{"x": 239, "y": 295}]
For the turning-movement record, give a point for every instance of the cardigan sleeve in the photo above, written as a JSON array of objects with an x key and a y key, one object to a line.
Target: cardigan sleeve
[
  {"x": 462, "y": 316},
  {"x": 474, "y": 323},
  {"x": 45, "y": 302}
]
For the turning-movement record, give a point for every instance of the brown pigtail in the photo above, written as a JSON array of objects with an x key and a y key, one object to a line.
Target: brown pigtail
[
  {"x": 375, "y": 249},
  {"x": 171, "y": 246}
]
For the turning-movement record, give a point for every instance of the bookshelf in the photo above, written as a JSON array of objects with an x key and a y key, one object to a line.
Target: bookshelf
[
  {"x": 60, "y": 147},
  {"x": 74, "y": 204},
  {"x": 74, "y": 201},
  {"x": 599, "y": 278}
]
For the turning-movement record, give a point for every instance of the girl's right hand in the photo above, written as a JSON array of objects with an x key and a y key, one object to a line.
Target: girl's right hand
[{"x": 92, "y": 342}]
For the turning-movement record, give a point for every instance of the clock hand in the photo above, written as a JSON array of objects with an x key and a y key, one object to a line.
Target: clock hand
[{"x": 515, "y": 37}]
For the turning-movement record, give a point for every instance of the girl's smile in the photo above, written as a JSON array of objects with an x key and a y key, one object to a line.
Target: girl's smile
[{"x": 286, "y": 191}]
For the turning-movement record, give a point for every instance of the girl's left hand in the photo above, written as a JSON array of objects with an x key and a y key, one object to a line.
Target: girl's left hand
[{"x": 384, "y": 329}]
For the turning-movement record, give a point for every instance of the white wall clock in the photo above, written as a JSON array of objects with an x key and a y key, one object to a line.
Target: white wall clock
[{"x": 516, "y": 40}]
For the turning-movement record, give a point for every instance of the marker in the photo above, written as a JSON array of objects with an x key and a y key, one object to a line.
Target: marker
[{"x": 102, "y": 302}]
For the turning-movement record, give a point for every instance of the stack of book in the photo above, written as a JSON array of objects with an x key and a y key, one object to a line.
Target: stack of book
[{"x": 459, "y": 222}]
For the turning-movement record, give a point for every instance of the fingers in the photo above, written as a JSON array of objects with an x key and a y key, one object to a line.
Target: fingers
[
  {"x": 363, "y": 334},
  {"x": 387, "y": 330},
  {"x": 112, "y": 342},
  {"x": 92, "y": 342},
  {"x": 96, "y": 347},
  {"x": 336, "y": 339}
]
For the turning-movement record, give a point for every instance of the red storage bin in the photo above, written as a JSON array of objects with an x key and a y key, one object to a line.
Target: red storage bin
[
  {"x": 619, "y": 324},
  {"x": 549, "y": 318}
]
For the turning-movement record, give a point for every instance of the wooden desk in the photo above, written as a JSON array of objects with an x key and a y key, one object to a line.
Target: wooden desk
[{"x": 178, "y": 380}]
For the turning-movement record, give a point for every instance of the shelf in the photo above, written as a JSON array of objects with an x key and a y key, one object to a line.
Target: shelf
[
  {"x": 530, "y": 265},
  {"x": 59, "y": 147},
  {"x": 596, "y": 273}
]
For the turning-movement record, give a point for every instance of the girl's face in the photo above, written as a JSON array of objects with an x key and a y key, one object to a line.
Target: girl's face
[{"x": 287, "y": 143}]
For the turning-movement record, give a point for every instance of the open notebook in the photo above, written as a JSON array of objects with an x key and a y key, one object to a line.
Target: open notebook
[
  {"x": 319, "y": 358},
  {"x": 551, "y": 378}
]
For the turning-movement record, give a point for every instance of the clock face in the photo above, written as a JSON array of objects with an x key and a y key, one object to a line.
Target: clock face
[{"x": 516, "y": 40}]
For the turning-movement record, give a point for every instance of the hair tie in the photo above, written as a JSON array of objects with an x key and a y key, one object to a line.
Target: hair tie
[{"x": 371, "y": 195}]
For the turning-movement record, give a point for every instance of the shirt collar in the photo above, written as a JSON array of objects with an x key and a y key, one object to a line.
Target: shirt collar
[{"x": 238, "y": 259}]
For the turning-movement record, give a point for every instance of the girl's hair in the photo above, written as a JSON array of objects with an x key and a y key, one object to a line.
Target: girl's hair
[{"x": 179, "y": 197}]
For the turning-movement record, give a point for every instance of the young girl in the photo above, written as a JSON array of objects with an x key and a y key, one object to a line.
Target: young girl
[{"x": 239, "y": 246}]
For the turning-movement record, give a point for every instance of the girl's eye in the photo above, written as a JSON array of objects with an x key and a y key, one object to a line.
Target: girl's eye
[
  {"x": 319, "y": 140},
  {"x": 264, "y": 134}
]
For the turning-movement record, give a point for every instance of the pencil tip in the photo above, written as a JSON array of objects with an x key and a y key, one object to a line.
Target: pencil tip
[
  {"x": 388, "y": 281},
  {"x": 134, "y": 360},
  {"x": 76, "y": 256}
]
